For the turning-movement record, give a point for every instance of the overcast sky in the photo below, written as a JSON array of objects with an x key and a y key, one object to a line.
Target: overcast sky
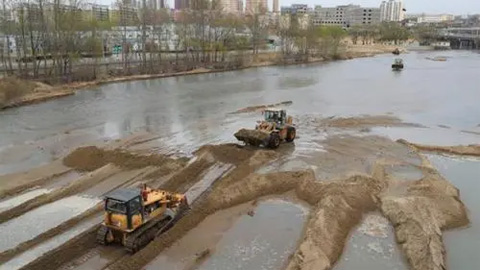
[{"x": 460, "y": 7}]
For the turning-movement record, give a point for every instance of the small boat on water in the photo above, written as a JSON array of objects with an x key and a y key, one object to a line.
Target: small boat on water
[
  {"x": 396, "y": 51},
  {"x": 398, "y": 64}
]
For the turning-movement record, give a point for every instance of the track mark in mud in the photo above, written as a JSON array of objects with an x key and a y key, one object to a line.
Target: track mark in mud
[
  {"x": 10, "y": 203},
  {"x": 83, "y": 235},
  {"x": 25, "y": 227},
  {"x": 73, "y": 188},
  {"x": 12, "y": 184}
]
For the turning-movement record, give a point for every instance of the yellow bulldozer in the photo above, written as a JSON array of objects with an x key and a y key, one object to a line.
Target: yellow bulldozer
[
  {"x": 135, "y": 216},
  {"x": 274, "y": 129}
]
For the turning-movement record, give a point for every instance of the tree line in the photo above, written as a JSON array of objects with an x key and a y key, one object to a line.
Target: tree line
[{"x": 64, "y": 43}]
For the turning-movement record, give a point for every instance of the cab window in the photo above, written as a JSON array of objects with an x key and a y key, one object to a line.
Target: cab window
[
  {"x": 135, "y": 205},
  {"x": 116, "y": 206}
]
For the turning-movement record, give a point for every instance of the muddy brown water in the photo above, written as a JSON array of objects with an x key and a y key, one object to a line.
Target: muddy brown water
[
  {"x": 193, "y": 110},
  {"x": 462, "y": 245},
  {"x": 372, "y": 246},
  {"x": 262, "y": 241}
]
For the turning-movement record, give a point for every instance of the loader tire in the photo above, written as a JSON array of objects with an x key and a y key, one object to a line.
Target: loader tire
[
  {"x": 291, "y": 134},
  {"x": 274, "y": 141}
]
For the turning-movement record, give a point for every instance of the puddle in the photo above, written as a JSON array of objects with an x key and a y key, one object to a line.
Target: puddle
[
  {"x": 260, "y": 241},
  {"x": 42, "y": 219},
  {"x": 183, "y": 253},
  {"x": 404, "y": 172},
  {"x": 214, "y": 173},
  {"x": 32, "y": 254},
  {"x": 462, "y": 245},
  {"x": 24, "y": 197},
  {"x": 372, "y": 246}
]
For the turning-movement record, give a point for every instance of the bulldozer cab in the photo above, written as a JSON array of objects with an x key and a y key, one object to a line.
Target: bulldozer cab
[
  {"x": 124, "y": 208},
  {"x": 275, "y": 115}
]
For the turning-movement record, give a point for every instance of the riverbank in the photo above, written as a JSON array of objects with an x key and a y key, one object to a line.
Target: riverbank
[{"x": 27, "y": 93}]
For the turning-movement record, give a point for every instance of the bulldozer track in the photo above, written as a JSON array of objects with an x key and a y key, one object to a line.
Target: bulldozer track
[
  {"x": 101, "y": 235},
  {"x": 141, "y": 237}
]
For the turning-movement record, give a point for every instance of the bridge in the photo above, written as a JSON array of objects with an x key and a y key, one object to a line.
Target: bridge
[{"x": 462, "y": 38}]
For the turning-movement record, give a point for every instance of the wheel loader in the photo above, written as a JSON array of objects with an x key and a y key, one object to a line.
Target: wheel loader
[
  {"x": 135, "y": 216},
  {"x": 276, "y": 127}
]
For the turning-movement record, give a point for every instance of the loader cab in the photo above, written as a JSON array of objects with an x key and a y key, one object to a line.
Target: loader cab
[
  {"x": 275, "y": 115},
  {"x": 124, "y": 209}
]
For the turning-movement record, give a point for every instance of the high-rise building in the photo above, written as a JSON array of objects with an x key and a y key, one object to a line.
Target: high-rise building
[
  {"x": 275, "y": 6},
  {"x": 256, "y": 6},
  {"x": 392, "y": 11}
]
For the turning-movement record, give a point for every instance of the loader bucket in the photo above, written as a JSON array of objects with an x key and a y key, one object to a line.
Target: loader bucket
[{"x": 252, "y": 137}]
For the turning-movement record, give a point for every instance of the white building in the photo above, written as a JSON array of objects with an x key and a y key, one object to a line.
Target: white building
[
  {"x": 392, "y": 11},
  {"x": 434, "y": 18},
  {"x": 346, "y": 15}
]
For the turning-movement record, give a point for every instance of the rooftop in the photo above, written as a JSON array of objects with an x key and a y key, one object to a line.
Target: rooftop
[{"x": 123, "y": 194}]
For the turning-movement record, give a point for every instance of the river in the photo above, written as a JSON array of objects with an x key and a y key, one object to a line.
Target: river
[{"x": 192, "y": 110}]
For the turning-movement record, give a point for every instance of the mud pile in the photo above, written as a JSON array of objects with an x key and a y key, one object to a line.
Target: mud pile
[
  {"x": 227, "y": 153},
  {"x": 365, "y": 122},
  {"x": 252, "y": 136},
  {"x": 340, "y": 208},
  {"x": 262, "y": 107},
  {"x": 90, "y": 158},
  {"x": 419, "y": 214},
  {"x": 463, "y": 150}
]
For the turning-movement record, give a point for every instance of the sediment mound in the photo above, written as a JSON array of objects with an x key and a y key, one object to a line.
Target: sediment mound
[
  {"x": 419, "y": 215},
  {"x": 90, "y": 158},
  {"x": 226, "y": 153},
  {"x": 365, "y": 121},
  {"x": 262, "y": 107},
  {"x": 340, "y": 208},
  {"x": 463, "y": 150}
]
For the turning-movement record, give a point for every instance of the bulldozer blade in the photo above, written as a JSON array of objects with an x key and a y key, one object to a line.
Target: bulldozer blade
[{"x": 252, "y": 137}]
